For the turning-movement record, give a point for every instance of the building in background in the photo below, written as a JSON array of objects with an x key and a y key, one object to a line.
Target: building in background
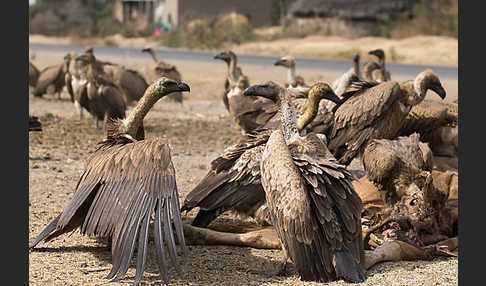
[{"x": 173, "y": 13}]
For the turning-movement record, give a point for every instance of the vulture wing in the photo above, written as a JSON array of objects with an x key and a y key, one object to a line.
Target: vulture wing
[{"x": 121, "y": 187}]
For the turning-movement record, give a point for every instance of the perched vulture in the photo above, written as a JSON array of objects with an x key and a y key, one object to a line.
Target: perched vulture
[
  {"x": 393, "y": 165},
  {"x": 376, "y": 111},
  {"x": 293, "y": 79},
  {"x": 312, "y": 202},
  {"x": 164, "y": 69},
  {"x": 233, "y": 181},
  {"x": 126, "y": 181}
]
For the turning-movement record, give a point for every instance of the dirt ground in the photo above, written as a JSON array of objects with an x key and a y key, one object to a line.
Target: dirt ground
[{"x": 198, "y": 131}]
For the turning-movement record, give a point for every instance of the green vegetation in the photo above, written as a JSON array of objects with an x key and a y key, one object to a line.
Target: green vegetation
[{"x": 426, "y": 18}]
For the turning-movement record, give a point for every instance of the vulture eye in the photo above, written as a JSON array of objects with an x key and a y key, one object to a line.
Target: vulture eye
[{"x": 413, "y": 202}]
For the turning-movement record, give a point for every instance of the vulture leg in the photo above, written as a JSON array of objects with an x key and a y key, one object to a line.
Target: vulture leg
[{"x": 79, "y": 109}]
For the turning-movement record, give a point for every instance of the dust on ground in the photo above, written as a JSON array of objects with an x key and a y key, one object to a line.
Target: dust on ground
[{"x": 198, "y": 131}]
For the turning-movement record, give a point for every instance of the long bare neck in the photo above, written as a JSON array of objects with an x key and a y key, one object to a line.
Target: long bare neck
[
  {"x": 312, "y": 107},
  {"x": 288, "y": 117},
  {"x": 356, "y": 67},
  {"x": 291, "y": 75},
  {"x": 135, "y": 118},
  {"x": 154, "y": 57},
  {"x": 232, "y": 69}
]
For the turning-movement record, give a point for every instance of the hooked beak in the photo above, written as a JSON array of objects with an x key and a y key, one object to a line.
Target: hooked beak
[
  {"x": 279, "y": 63},
  {"x": 183, "y": 87},
  {"x": 145, "y": 49},
  {"x": 259, "y": 90},
  {"x": 333, "y": 97},
  {"x": 439, "y": 90}
]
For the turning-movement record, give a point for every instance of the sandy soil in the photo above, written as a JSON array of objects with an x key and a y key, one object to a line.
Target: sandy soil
[
  {"x": 424, "y": 50},
  {"x": 198, "y": 131}
]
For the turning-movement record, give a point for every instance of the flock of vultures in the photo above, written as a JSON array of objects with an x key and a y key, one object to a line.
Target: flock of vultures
[{"x": 288, "y": 170}]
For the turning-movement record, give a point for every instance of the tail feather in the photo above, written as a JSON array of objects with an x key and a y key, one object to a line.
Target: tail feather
[{"x": 347, "y": 268}]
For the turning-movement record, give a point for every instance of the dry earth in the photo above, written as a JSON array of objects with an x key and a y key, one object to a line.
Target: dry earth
[{"x": 198, "y": 131}]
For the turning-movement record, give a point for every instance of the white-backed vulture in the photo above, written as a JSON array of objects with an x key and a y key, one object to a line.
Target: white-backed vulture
[
  {"x": 51, "y": 79},
  {"x": 34, "y": 123},
  {"x": 234, "y": 72},
  {"x": 393, "y": 165},
  {"x": 125, "y": 181},
  {"x": 385, "y": 74},
  {"x": 340, "y": 84},
  {"x": 164, "y": 69},
  {"x": 293, "y": 79},
  {"x": 104, "y": 99},
  {"x": 312, "y": 202},
  {"x": 437, "y": 124},
  {"x": 233, "y": 181},
  {"x": 376, "y": 111},
  {"x": 33, "y": 74}
]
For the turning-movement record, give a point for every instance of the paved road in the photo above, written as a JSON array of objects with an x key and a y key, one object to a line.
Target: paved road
[{"x": 450, "y": 73}]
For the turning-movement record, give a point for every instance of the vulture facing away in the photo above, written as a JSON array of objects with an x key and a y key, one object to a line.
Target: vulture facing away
[
  {"x": 233, "y": 181},
  {"x": 393, "y": 165},
  {"x": 312, "y": 202},
  {"x": 163, "y": 69},
  {"x": 383, "y": 74},
  {"x": 51, "y": 79},
  {"x": 125, "y": 181},
  {"x": 376, "y": 111},
  {"x": 129, "y": 81}
]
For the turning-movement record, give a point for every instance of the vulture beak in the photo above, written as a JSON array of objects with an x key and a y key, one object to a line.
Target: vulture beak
[
  {"x": 373, "y": 52},
  {"x": 279, "y": 63},
  {"x": 183, "y": 87},
  {"x": 439, "y": 90},
  {"x": 218, "y": 56},
  {"x": 333, "y": 97},
  {"x": 145, "y": 49},
  {"x": 260, "y": 90}
]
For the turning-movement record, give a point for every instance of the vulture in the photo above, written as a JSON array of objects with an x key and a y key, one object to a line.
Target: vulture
[
  {"x": 234, "y": 72},
  {"x": 164, "y": 69},
  {"x": 393, "y": 165},
  {"x": 34, "y": 123},
  {"x": 129, "y": 81},
  {"x": 312, "y": 203},
  {"x": 103, "y": 98},
  {"x": 127, "y": 180},
  {"x": 76, "y": 82},
  {"x": 437, "y": 124},
  {"x": 384, "y": 74},
  {"x": 51, "y": 79},
  {"x": 292, "y": 78},
  {"x": 233, "y": 181},
  {"x": 376, "y": 111},
  {"x": 372, "y": 71},
  {"x": 341, "y": 83},
  {"x": 33, "y": 74},
  {"x": 249, "y": 112}
]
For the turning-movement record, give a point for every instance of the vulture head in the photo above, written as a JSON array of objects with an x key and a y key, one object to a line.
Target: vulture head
[
  {"x": 269, "y": 89},
  {"x": 287, "y": 61},
  {"x": 322, "y": 90},
  {"x": 164, "y": 86},
  {"x": 429, "y": 80},
  {"x": 379, "y": 53},
  {"x": 147, "y": 50},
  {"x": 356, "y": 58},
  {"x": 225, "y": 56}
]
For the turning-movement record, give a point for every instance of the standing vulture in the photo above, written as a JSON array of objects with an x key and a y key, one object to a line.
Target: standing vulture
[
  {"x": 312, "y": 202},
  {"x": 293, "y": 79},
  {"x": 104, "y": 99},
  {"x": 33, "y": 74},
  {"x": 376, "y": 111},
  {"x": 234, "y": 72},
  {"x": 164, "y": 69},
  {"x": 51, "y": 79},
  {"x": 233, "y": 181},
  {"x": 129, "y": 81},
  {"x": 125, "y": 181},
  {"x": 380, "y": 54},
  {"x": 393, "y": 165}
]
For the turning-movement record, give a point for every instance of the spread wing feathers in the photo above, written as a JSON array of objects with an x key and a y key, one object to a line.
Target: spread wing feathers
[
  {"x": 357, "y": 119},
  {"x": 115, "y": 197},
  {"x": 232, "y": 183},
  {"x": 315, "y": 210}
]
